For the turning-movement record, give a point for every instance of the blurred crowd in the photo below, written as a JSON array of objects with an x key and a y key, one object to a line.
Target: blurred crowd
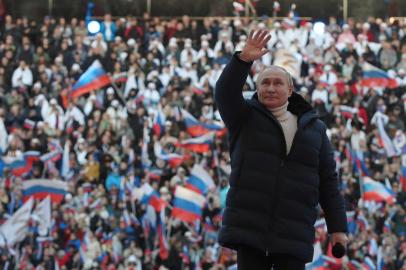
[{"x": 165, "y": 65}]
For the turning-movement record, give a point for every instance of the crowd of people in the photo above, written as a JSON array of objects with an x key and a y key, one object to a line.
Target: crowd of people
[{"x": 168, "y": 67}]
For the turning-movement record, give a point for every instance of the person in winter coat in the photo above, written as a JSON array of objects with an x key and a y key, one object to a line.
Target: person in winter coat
[{"x": 282, "y": 167}]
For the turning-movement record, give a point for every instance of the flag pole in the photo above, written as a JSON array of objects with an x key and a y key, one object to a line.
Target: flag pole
[{"x": 115, "y": 87}]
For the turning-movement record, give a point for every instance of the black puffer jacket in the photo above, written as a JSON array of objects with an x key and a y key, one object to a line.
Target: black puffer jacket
[{"x": 273, "y": 197}]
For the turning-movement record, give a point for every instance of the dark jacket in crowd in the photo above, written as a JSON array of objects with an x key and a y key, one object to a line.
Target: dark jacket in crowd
[{"x": 273, "y": 198}]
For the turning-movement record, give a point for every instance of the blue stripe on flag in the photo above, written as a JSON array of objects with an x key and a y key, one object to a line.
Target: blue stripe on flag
[
  {"x": 37, "y": 189},
  {"x": 198, "y": 183},
  {"x": 187, "y": 206},
  {"x": 89, "y": 76}
]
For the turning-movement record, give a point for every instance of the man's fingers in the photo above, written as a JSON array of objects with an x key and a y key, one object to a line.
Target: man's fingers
[
  {"x": 255, "y": 37},
  {"x": 264, "y": 51},
  {"x": 251, "y": 35},
  {"x": 265, "y": 41},
  {"x": 262, "y": 35}
]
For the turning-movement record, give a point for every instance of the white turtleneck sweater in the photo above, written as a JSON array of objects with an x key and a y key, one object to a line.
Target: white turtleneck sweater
[{"x": 288, "y": 122}]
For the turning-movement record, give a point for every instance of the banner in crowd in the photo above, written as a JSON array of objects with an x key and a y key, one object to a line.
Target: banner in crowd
[
  {"x": 42, "y": 214},
  {"x": 376, "y": 191},
  {"x": 199, "y": 144},
  {"x": 196, "y": 128},
  {"x": 187, "y": 205},
  {"x": 199, "y": 180},
  {"x": 95, "y": 77},
  {"x": 15, "y": 228},
  {"x": 375, "y": 77},
  {"x": 41, "y": 188}
]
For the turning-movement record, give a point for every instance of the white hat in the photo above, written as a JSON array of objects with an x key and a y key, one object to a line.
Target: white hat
[
  {"x": 163, "y": 190},
  {"x": 115, "y": 103},
  {"x": 224, "y": 34},
  {"x": 53, "y": 101},
  {"x": 366, "y": 25},
  {"x": 68, "y": 196},
  {"x": 173, "y": 42},
  {"x": 110, "y": 90},
  {"x": 303, "y": 89},
  {"x": 151, "y": 86},
  {"x": 187, "y": 99},
  {"x": 37, "y": 85},
  {"x": 205, "y": 43},
  {"x": 261, "y": 25},
  {"x": 75, "y": 67},
  {"x": 131, "y": 42}
]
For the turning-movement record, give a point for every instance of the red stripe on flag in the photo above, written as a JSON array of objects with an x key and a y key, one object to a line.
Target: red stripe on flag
[
  {"x": 56, "y": 198},
  {"x": 94, "y": 85},
  {"x": 184, "y": 215}
]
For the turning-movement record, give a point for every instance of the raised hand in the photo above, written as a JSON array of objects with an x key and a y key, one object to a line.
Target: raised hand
[{"x": 255, "y": 47}]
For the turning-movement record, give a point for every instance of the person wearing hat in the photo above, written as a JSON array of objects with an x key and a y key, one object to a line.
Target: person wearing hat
[{"x": 282, "y": 167}]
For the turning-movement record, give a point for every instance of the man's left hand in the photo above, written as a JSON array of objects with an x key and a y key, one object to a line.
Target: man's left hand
[{"x": 339, "y": 237}]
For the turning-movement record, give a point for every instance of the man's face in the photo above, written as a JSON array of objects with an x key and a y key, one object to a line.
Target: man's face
[{"x": 273, "y": 88}]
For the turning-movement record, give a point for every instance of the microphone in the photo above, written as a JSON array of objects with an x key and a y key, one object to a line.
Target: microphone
[{"x": 338, "y": 250}]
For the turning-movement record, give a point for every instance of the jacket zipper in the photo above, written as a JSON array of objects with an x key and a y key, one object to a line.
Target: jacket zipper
[{"x": 281, "y": 165}]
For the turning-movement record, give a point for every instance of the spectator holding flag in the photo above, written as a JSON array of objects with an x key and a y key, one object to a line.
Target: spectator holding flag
[{"x": 282, "y": 167}]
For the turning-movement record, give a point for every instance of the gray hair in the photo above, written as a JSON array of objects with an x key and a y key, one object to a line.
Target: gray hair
[{"x": 289, "y": 78}]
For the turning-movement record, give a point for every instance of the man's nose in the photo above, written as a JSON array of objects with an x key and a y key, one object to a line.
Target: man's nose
[{"x": 270, "y": 88}]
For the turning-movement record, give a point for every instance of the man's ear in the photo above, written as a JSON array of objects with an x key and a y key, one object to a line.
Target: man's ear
[{"x": 290, "y": 91}]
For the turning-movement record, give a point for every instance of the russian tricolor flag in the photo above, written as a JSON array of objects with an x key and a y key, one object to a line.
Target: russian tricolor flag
[
  {"x": 199, "y": 144},
  {"x": 197, "y": 90},
  {"x": 41, "y": 188},
  {"x": 351, "y": 224},
  {"x": 29, "y": 124},
  {"x": 199, "y": 180},
  {"x": 94, "y": 78},
  {"x": 376, "y": 191},
  {"x": 162, "y": 235},
  {"x": 359, "y": 164},
  {"x": 368, "y": 264},
  {"x": 173, "y": 159},
  {"x": 196, "y": 128},
  {"x": 375, "y": 77},
  {"x": 355, "y": 265},
  {"x": 362, "y": 222},
  {"x": 348, "y": 112},
  {"x": 322, "y": 263},
  {"x": 120, "y": 77},
  {"x": 403, "y": 177},
  {"x": 385, "y": 140},
  {"x": 151, "y": 197},
  {"x": 23, "y": 165},
  {"x": 159, "y": 123},
  {"x": 154, "y": 174},
  {"x": 54, "y": 155},
  {"x": 188, "y": 205}
]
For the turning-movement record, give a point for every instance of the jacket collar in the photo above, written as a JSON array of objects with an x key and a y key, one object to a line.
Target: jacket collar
[{"x": 297, "y": 105}]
